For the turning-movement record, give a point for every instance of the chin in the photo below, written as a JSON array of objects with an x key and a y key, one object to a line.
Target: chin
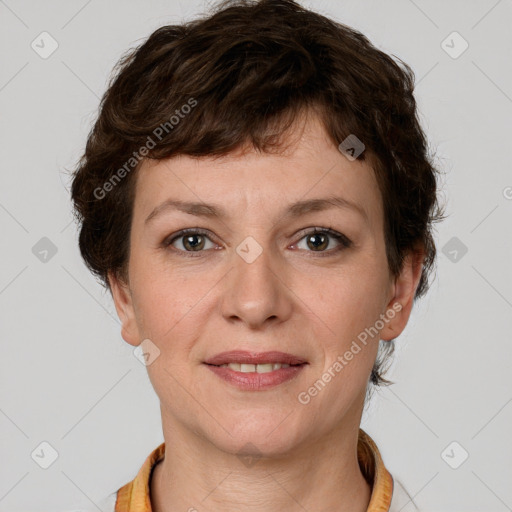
[{"x": 253, "y": 438}]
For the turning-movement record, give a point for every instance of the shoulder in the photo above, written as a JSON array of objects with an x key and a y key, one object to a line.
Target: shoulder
[{"x": 401, "y": 499}]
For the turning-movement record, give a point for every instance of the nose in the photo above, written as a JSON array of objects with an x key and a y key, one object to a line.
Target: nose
[{"x": 255, "y": 290}]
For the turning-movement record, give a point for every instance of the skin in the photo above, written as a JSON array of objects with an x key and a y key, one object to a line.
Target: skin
[{"x": 294, "y": 298}]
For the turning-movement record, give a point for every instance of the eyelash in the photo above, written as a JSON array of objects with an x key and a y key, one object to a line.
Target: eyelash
[{"x": 344, "y": 242}]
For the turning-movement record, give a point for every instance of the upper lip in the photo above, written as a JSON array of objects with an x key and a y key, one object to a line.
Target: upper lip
[{"x": 243, "y": 356}]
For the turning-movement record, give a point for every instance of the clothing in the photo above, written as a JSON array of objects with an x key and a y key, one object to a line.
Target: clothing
[{"x": 387, "y": 494}]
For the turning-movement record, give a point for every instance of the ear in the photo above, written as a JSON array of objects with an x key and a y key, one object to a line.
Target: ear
[
  {"x": 123, "y": 302},
  {"x": 402, "y": 294}
]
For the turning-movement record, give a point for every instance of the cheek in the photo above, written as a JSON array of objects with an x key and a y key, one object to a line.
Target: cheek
[
  {"x": 167, "y": 316},
  {"x": 174, "y": 315},
  {"x": 350, "y": 303},
  {"x": 163, "y": 296}
]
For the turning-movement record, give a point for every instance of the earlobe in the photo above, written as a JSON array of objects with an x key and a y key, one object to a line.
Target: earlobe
[
  {"x": 399, "y": 307},
  {"x": 122, "y": 298}
]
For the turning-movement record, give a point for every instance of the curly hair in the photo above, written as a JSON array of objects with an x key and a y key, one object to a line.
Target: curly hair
[{"x": 241, "y": 75}]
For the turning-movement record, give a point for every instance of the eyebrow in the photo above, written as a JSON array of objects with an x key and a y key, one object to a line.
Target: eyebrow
[{"x": 294, "y": 210}]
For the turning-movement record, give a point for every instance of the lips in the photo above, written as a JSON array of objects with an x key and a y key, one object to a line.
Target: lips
[{"x": 243, "y": 356}]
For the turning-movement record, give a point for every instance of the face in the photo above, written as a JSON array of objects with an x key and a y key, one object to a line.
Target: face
[{"x": 270, "y": 271}]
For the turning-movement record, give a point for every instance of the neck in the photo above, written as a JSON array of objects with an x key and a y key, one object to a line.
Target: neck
[{"x": 323, "y": 476}]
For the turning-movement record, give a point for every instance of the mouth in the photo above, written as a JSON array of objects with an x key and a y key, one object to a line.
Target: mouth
[
  {"x": 260, "y": 362},
  {"x": 255, "y": 368},
  {"x": 250, "y": 371}
]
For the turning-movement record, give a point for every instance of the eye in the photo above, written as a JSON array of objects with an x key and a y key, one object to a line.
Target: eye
[
  {"x": 319, "y": 239},
  {"x": 190, "y": 240}
]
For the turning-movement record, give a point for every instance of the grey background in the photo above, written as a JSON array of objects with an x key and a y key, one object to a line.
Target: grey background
[{"x": 68, "y": 378}]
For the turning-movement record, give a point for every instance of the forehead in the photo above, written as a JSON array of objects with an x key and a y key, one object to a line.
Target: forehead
[{"x": 309, "y": 167}]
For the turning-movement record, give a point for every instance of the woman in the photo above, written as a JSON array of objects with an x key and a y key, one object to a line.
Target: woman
[{"x": 257, "y": 196}]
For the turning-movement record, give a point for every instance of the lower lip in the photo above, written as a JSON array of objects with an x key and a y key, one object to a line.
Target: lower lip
[{"x": 254, "y": 381}]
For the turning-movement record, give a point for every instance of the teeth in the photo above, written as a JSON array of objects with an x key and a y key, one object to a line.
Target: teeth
[{"x": 259, "y": 368}]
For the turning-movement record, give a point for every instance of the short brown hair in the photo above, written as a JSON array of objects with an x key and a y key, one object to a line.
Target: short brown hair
[{"x": 244, "y": 73}]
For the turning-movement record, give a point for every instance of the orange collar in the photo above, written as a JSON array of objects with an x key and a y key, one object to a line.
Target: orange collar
[{"x": 134, "y": 496}]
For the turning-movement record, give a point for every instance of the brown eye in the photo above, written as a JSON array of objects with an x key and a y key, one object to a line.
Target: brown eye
[
  {"x": 317, "y": 241},
  {"x": 193, "y": 242},
  {"x": 190, "y": 241},
  {"x": 320, "y": 239}
]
